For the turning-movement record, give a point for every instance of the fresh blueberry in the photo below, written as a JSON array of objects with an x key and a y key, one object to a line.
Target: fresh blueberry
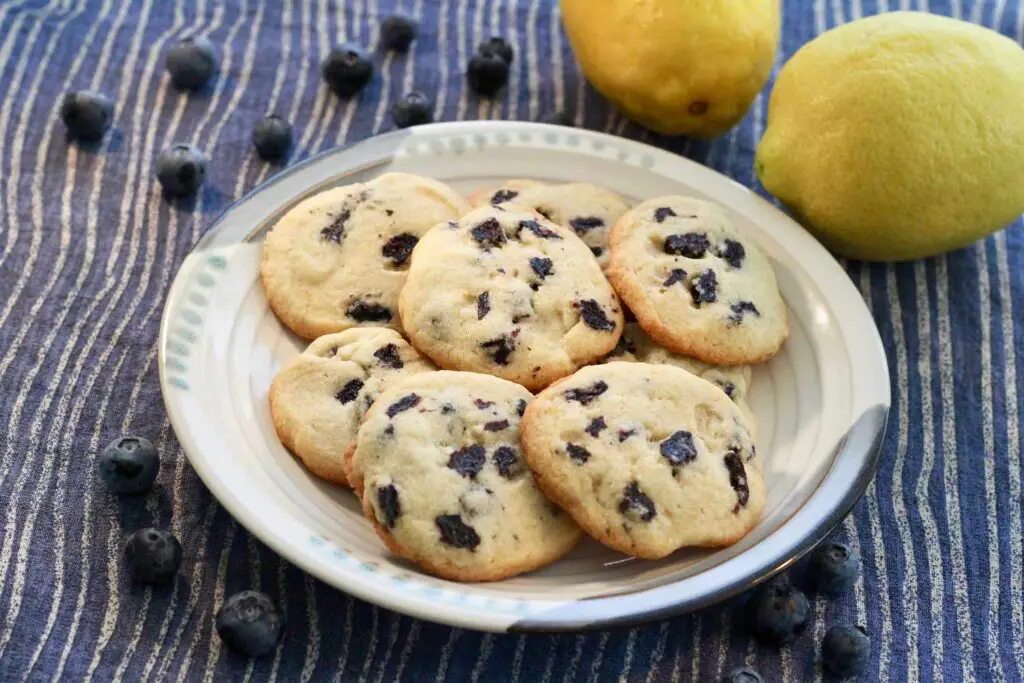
[
  {"x": 487, "y": 73},
  {"x": 191, "y": 62},
  {"x": 743, "y": 674},
  {"x": 397, "y": 32},
  {"x": 559, "y": 118},
  {"x": 496, "y": 46},
  {"x": 153, "y": 555},
  {"x": 832, "y": 569},
  {"x": 777, "y": 612},
  {"x": 129, "y": 465},
  {"x": 272, "y": 137},
  {"x": 249, "y": 623},
  {"x": 845, "y": 651},
  {"x": 181, "y": 170},
  {"x": 87, "y": 115},
  {"x": 413, "y": 109},
  {"x": 347, "y": 70}
]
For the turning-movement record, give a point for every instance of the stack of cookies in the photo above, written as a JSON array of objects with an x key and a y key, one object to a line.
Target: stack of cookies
[{"x": 474, "y": 380}]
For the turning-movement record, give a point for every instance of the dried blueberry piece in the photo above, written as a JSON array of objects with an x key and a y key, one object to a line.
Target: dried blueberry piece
[
  {"x": 740, "y": 309},
  {"x": 542, "y": 266},
  {"x": 594, "y": 316},
  {"x": 502, "y": 196},
  {"x": 637, "y": 505},
  {"x": 496, "y": 426},
  {"x": 390, "y": 506},
  {"x": 335, "y": 232},
  {"x": 447, "y": 409},
  {"x": 389, "y": 431},
  {"x": 623, "y": 346},
  {"x": 732, "y": 252},
  {"x": 388, "y": 357},
  {"x": 704, "y": 288},
  {"x": 468, "y": 461},
  {"x": 402, "y": 404},
  {"x": 539, "y": 230},
  {"x": 455, "y": 532},
  {"x": 690, "y": 245},
  {"x": 663, "y": 212},
  {"x": 521, "y": 407},
  {"x": 507, "y": 461},
  {"x": 500, "y": 348},
  {"x": 595, "y": 427},
  {"x": 728, "y": 387},
  {"x": 583, "y": 224},
  {"x": 676, "y": 275},
  {"x": 399, "y": 248},
  {"x": 365, "y": 311},
  {"x": 579, "y": 454},
  {"x": 489, "y": 233},
  {"x": 350, "y": 391},
  {"x": 737, "y": 479},
  {"x": 482, "y": 404},
  {"x": 679, "y": 448},
  {"x": 587, "y": 395},
  {"x": 483, "y": 305},
  {"x": 596, "y": 251},
  {"x": 625, "y": 434}
]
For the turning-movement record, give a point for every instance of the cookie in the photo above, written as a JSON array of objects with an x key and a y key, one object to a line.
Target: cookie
[
  {"x": 696, "y": 285},
  {"x": 508, "y": 190},
  {"x": 508, "y": 293},
  {"x": 590, "y": 211},
  {"x": 318, "y": 399},
  {"x": 439, "y": 470},
  {"x": 338, "y": 259},
  {"x": 646, "y": 458},
  {"x": 636, "y": 347}
]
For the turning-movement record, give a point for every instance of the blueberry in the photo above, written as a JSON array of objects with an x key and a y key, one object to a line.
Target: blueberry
[
  {"x": 87, "y": 115},
  {"x": 181, "y": 170},
  {"x": 403, "y": 404},
  {"x": 191, "y": 62},
  {"x": 455, "y": 532},
  {"x": 129, "y": 465},
  {"x": 845, "y": 651},
  {"x": 347, "y": 70},
  {"x": 272, "y": 137},
  {"x": 587, "y": 395},
  {"x": 496, "y": 46},
  {"x": 249, "y": 623},
  {"x": 397, "y": 32},
  {"x": 777, "y": 612},
  {"x": 350, "y": 391},
  {"x": 832, "y": 568},
  {"x": 153, "y": 555},
  {"x": 487, "y": 73},
  {"x": 743, "y": 674},
  {"x": 414, "y": 109}
]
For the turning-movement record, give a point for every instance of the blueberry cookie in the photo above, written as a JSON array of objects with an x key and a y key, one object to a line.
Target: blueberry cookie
[
  {"x": 318, "y": 399},
  {"x": 508, "y": 293},
  {"x": 636, "y": 347},
  {"x": 696, "y": 285},
  {"x": 590, "y": 211},
  {"x": 338, "y": 259},
  {"x": 507, "y": 191},
  {"x": 439, "y": 470},
  {"x": 646, "y": 458}
]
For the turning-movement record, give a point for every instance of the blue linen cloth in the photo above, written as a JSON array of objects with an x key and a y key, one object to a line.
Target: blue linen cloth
[{"x": 88, "y": 249}]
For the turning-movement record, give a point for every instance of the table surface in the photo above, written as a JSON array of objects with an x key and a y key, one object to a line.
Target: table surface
[{"x": 89, "y": 249}]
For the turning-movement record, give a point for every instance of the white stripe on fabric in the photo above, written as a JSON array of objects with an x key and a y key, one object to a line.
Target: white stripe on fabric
[
  {"x": 517, "y": 657},
  {"x": 371, "y": 646},
  {"x": 654, "y": 666},
  {"x": 595, "y": 666},
  {"x": 932, "y": 543},
  {"x": 396, "y": 625},
  {"x": 346, "y": 639},
  {"x": 462, "y": 51},
  {"x": 410, "y": 643},
  {"x": 217, "y": 600},
  {"x": 446, "y": 655},
  {"x": 313, "y": 637},
  {"x": 951, "y": 472},
  {"x": 483, "y": 657}
]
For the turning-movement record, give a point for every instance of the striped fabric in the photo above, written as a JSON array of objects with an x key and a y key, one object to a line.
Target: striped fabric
[{"x": 88, "y": 249}]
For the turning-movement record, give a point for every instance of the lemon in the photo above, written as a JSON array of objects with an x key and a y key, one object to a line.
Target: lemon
[
  {"x": 676, "y": 66},
  {"x": 899, "y": 136}
]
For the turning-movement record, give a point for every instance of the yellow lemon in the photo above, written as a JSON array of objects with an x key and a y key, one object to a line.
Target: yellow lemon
[
  {"x": 676, "y": 66},
  {"x": 899, "y": 136}
]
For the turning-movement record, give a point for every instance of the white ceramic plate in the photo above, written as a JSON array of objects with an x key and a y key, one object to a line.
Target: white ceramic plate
[{"x": 821, "y": 403}]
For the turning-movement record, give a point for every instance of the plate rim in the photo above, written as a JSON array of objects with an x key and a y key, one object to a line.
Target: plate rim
[{"x": 860, "y": 446}]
